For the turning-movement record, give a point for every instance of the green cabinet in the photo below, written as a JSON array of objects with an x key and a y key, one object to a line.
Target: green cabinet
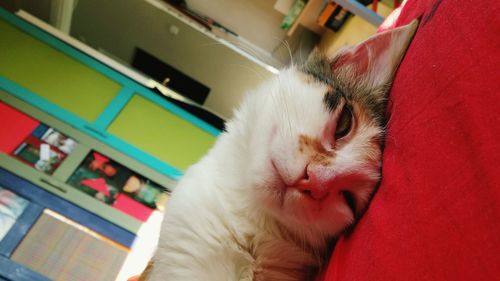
[
  {"x": 58, "y": 180},
  {"x": 167, "y": 138},
  {"x": 54, "y": 75},
  {"x": 74, "y": 87},
  {"x": 108, "y": 114},
  {"x": 129, "y": 143}
]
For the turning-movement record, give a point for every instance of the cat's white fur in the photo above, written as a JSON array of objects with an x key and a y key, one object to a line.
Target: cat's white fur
[{"x": 236, "y": 216}]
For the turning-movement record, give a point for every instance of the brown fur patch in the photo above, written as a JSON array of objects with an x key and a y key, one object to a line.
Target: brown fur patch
[
  {"x": 313, "y": 147},
  {"x": 372, "y": 149},
  {"x": 344, "y": 86}
]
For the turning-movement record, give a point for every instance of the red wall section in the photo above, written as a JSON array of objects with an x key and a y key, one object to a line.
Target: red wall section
[{"x": 14, "y": 127}]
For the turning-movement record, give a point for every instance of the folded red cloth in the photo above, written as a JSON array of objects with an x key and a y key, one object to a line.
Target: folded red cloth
[{"x": 436, "y": 215}]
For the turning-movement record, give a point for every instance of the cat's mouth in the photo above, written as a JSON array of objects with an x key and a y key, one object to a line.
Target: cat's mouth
[
  {"x": 348, "y": 197},
  {"x": 350, "y": 200}
]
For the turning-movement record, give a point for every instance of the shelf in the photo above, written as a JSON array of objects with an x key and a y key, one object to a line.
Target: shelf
[
  {"x": 312, "y": 9},
  {"x": 308, "y": 16},
  {"x": 359, "y": 10}
]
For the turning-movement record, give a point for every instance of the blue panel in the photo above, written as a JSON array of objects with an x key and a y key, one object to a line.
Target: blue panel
[
  {"x": 16, "y": 272},
  {"x": 65, "y": 208},
  {"x": 114, "y": 108},
  {"x": 23, "y": 224}
]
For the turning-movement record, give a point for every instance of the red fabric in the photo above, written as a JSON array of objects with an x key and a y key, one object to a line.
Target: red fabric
[
  {"x": 436, "y": 215},
  {"x": 15, "y": 126}
]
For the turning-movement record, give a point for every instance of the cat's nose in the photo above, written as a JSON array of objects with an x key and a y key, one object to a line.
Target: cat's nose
[{"x": 310, "y": 185}]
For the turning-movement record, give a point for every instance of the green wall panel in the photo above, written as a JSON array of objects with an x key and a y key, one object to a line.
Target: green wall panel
[
  {"x": 160, "y": 133},
  {"x": 54, "y": 75}
]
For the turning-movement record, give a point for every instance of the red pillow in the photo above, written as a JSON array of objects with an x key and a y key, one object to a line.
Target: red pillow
[{"x": 436, "y": 215}]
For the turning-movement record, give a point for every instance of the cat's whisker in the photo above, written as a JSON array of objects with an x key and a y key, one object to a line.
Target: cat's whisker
[
  {"x": 275, "y": 96},
  {"x": 286, "y": 44},
  {"x": 251, "y": 69},
  {"x": 288, "y": 121},
  {"x": 277, "y": 100},
  {"x": 253, "y": 52},
  {"x": 389, "y": 138},
  {"x": 300, "y": 48}
]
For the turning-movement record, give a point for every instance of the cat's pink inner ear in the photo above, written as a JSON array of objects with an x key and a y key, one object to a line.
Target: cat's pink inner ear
[{"x": 376, "y": 59}]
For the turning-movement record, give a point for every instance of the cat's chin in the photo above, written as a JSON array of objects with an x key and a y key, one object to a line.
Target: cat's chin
[{"x": 329, "y": 214}]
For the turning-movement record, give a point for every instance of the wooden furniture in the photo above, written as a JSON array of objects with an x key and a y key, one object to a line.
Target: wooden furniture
[
  {"x": 132, "y": 136},
  {"x": 312, "y": 9}
]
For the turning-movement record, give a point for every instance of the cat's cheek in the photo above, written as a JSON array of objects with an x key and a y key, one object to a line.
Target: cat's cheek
[{"x": 268, "y": 190}]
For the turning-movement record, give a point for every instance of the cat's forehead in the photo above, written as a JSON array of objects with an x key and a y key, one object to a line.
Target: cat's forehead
[
  {"x": 295, "y": 81},
  {"x": 342, "y": 87},
  {"x": 318, "y": 67}
]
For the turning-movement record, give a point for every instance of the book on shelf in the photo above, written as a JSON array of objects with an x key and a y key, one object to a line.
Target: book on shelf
[
  {"x": 326, "y": 13},
  {"x": 337, "y": 18},
  {"x": 334, "y": 16},
  {"x": 293, "y": 14}
]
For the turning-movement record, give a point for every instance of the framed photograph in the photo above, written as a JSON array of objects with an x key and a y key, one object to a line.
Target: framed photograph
[
  {"x": 118, "y": 186},
  {"x": 11, "y": 207},
  {"x": 44, "y": 149}
]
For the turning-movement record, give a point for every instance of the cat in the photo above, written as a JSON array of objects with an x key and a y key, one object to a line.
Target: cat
[{"x": 296, "y": 166}]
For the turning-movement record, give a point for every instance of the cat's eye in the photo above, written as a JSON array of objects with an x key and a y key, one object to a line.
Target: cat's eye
[{"x": 344, "y": 123}]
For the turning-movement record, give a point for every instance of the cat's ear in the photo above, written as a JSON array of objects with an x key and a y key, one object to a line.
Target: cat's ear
[{"x": 374, "y": 61}]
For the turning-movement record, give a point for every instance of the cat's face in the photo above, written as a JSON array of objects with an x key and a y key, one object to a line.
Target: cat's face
[
  {"x": 317, "y": 136},
  {"x": 320, "y": 162}
]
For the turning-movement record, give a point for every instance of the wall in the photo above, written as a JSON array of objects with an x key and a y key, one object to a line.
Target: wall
[
  {"x": 255, "y": 20},
  {"x": 118, "y": 26},
  {"x": 40, "y": 8},
  {"x": 258, "y": 22}
]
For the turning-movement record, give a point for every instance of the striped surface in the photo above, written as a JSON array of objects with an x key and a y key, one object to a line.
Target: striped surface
[{"x": 63, "y": 250}]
